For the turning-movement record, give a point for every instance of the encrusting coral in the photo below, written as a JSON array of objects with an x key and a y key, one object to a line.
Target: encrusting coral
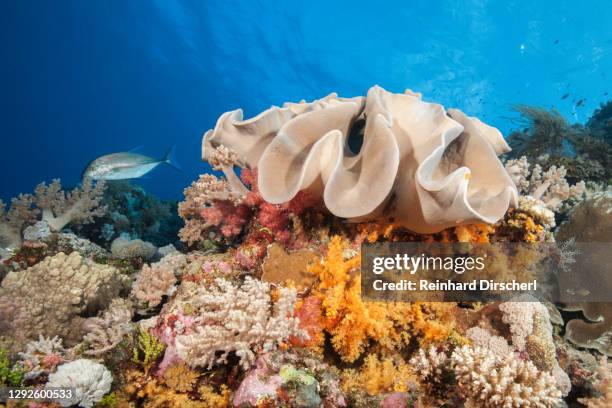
[
  {"x": 49, "y": 298},
  {"x": 89, "y": 381},
  {"x": 441, "y": 165}
]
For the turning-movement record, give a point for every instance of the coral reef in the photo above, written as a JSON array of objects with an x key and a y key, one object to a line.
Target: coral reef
[{"x": 262, "y": 305}]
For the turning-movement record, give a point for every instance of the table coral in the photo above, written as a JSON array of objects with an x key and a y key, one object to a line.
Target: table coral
[{"x": 50, "y": 297}]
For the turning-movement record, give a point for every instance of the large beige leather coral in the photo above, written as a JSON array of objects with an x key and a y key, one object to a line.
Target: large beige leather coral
[{"x": 428, "y": 168}]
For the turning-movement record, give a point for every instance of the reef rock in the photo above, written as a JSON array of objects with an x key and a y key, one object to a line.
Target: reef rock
[
  {"x": 385, "y": 153},
  {"x": 51, "y": 298}
]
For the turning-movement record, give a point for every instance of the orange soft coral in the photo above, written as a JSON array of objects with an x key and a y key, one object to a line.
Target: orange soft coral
[{"x": 353, "y": 323}]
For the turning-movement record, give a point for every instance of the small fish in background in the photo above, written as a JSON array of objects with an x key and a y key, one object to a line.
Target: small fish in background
[
  {"x": 556, "y": 42},
  {"x": 126, "y": 165},
  {"x": 605, "y": 94},
  {"x": 564, "y": 96},
  {"x": 580, "y": 102}
]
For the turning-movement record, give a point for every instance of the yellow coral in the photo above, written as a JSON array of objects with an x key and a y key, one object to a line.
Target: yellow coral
[
  {"x": 352, "y": 322},
  {"x": 378, "y": 375}
]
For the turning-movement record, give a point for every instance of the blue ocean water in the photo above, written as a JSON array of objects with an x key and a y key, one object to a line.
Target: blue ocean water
[{"x": 84, "y": 78}]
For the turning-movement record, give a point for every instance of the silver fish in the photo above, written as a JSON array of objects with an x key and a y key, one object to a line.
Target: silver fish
[{"x": 125, "y": 165}]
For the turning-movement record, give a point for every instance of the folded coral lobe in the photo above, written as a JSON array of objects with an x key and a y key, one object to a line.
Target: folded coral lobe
[{"x": 426, "y": 168}]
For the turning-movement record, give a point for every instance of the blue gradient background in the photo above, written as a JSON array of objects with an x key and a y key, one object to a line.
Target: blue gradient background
[{"x": 84, "y": 78}]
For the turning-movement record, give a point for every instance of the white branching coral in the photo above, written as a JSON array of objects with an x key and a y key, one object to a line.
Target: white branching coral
[
  {"x": 105, "y": 332},
  {"x": 238, "y": 319},
  {"x": 542, "y": 192},
  {"x": 89, "y": 380},
  {"x": 430, "y": 366},
  {"x": 12, "y": 222},
  {"x": 80, "y": 205},
  {"x": 486, "y": 380},
  {"x": 155, "y": 281}
]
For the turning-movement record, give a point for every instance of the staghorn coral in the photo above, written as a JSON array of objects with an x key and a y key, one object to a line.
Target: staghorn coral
[
  {"x": 81, "y": 205},
  {"x": 153, "y": 282},
  {"x": 237, "y": 319},
  {"x": 49, "y": 298},
  {"x": 105, "y": 332},
  {"x": 89, "y": 380},
  {"x": 486, "y": 380},
  {"x": 454, "y": 177}
]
